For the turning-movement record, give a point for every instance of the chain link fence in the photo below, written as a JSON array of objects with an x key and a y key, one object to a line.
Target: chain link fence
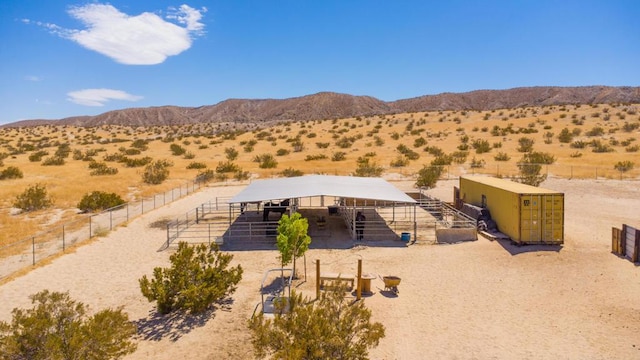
[{"x": 27, "y": 252}]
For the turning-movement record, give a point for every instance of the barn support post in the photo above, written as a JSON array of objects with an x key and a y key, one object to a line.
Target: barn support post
[
  {"x": 359, "y": 284},
  {"x": 317, "y": 279}
]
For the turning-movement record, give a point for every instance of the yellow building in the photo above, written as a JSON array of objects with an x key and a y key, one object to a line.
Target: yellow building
[{"x": 527, "y": 214}]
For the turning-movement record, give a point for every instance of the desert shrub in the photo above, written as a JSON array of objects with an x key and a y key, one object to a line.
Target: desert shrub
[
  {"x": 419, "y": 142},
  {"x": 199, "y": 276},
  {"x": 282, "y": 152},
  {"x": 315, "y": 157},
  {"x": 627, "y": 127},
  {"x": 57, "y": 327},
  {"x": 140, "y": 144},
  {"x": 136, "y": 162},
  {"x": 434, "y": 150},
  {"x": 189, "y": 155},
  {"x": 367, "y": 167},
  {"x": 400, "y": 161},
  {"x": 341, "y": 329},
  {"x": 291, "y": 172},
  {"x": 38, "y": 155},
  {"x": 477, "y": 163},
  {"x": 35, "y": 197},
  {"x": 63, "y": 151},
  {"x": 155, "y": 173},
  {"x": 481, "y": 146},
  {"x": 565, "y": 136},
  {"x": 226, "y": 167},
  {"x": 428, "y": 176},
  {"x": 459, "y": 157},
  {"x": 525, "y": 144},
  {"x": 131, "y": 152},
  {"x": 241, "y": 175},
  {"x": 177, "y": 150},
  {"x": 53, "y": 161},
  {"x": 322, "y": 145},
  {"x": 633, "y": 148},
  {"x": 99, "y": 200},
  {"x": 205, "y": 176},
  {"x": 600, "y": 147},
  {"x": 530, "y": 167},
  {"x": 101, "y": 169},
  {"x": 624, "y": 166},
  {"x": 595, "y": 131},
  {"x": 231, "y": 153},
  {"x": 196, "y": 165},
  {"x": 11, "y": 172},
  {"x": 442, "y": 160},
  {"x": 266, "y": 161},
  {"x": 578, "y": 144},
  {"x": 502, "y": 156}
]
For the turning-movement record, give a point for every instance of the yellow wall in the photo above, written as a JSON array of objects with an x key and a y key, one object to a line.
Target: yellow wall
[{"x": 525, "y": 213}]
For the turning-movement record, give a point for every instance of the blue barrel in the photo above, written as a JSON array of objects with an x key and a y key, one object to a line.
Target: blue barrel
[{"x": 406, "y": 237}]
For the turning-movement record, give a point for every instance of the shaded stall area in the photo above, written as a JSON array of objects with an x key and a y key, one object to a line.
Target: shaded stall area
[{"x": 331, "y": 205}]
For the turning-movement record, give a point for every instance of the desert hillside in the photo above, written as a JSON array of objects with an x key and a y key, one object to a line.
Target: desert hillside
[
  {"x": 596, "y": 141},
  {"x": 327, "y": 105}
]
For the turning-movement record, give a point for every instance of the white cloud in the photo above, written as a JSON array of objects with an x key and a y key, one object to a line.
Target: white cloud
[
  {"x": 98, "y": 97},
  {"x": 33, "y": 78},
  {"x": 145, "y": 39}
]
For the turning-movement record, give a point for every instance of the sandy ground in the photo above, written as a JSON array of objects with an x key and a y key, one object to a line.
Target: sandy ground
[{"x": 474, "y": 300}]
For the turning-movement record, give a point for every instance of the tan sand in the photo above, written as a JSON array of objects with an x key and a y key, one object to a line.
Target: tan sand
[{"x": 475, "y": 300}]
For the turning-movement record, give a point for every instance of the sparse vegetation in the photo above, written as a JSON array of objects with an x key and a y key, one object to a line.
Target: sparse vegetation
[
  {"x": 35, "y": 197},
  {"x": 57, "y": 327},
  {"x": 199, "y": 276}
]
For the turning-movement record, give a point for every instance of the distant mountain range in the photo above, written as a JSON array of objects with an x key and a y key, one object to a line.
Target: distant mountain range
[{"x": 329, "y": 105}]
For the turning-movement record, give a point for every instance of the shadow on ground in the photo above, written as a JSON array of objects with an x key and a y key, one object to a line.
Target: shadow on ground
[{"x": 174, "y": 325}]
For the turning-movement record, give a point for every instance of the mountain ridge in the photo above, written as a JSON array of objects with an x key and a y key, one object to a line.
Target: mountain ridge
[{"x": 330, "y": 105}]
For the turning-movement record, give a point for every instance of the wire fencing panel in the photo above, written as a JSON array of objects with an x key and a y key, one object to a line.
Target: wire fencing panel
[{"x": 28, "y": 252}]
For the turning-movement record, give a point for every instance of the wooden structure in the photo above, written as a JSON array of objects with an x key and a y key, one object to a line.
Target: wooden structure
[
  {"x": 527, "y": 214},
  {"x": 625, "y": 242}
]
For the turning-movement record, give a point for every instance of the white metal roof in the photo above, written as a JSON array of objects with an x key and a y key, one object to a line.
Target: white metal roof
[{"x": 317, "y": 185}]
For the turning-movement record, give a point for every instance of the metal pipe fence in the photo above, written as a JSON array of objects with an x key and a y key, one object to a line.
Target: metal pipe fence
[{"x": 29, "y": 251}]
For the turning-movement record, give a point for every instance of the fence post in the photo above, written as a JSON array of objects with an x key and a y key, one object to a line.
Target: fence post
[
  {"x": 209, "y": 235},
  {"x": 33, "y": 250},
  {"x": 127, "y": 212},
  {"x": 154, "y": 201},
  {"x": 90, "y": 232},
  {"x": 168, "y": 237}
]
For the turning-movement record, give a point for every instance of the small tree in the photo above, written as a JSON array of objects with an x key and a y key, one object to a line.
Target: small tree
[
  {"x": 292, "y": 240},
  {"x": 198, "y": 277},
  {"x": 330, "y": 328},
  {"x": 99, "y": 200},
  {"x": 428, "y": 176},
  {"x": 58, "y": 327},
  {"x": 34, "y": 198}
]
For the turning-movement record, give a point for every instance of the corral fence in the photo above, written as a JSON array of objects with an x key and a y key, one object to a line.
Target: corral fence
[
  {"x": 625, "y": 242},
  {"x": 220, "y": 222},
  {"x": 27, "y": 252}
]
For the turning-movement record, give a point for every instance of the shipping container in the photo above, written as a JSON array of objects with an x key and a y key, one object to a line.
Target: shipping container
[{"x": 525, "y": 213}]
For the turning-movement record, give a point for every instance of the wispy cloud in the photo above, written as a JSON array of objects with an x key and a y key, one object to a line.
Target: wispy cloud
[
  {"x": 144, "y": 39},
  {"x": 33, "y": 78},
  {"x": 98, "y": 97}
]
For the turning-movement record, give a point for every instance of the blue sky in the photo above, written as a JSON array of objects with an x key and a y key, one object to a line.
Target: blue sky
[{"x": 67, "y": 58}]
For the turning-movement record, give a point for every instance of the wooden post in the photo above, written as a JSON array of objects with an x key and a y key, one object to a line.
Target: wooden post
[
  {"x": 317, "y": 279},
  {"x": 359, "y": 285}
]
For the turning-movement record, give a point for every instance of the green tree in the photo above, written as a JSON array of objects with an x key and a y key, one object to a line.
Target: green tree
[
  {"x": 331, "y": 328},
  {"x": 33, "y": 198},
  {"x": 58, "y": 327},
  {"x": 428, "y": 176},
  {"x": 293, "y": 239},
  {"x": 198, "y": 277},
  {"x": 99, "y": 200}
]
